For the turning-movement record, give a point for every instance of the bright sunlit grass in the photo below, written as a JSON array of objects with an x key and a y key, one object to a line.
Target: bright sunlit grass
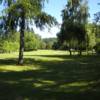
[{"x": 36, "y": 55}]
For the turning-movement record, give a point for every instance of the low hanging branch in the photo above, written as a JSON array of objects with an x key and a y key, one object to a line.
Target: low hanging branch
[{"x": 19, "y": 11}]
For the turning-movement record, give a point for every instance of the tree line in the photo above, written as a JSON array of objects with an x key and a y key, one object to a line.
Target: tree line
[{"x": 10, "y": 42}]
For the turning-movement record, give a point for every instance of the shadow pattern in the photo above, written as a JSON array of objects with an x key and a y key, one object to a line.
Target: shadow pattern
[{"x": 75, "y": 79}]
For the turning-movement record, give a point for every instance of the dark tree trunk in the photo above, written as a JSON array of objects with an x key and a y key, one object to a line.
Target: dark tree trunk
[
  {"x": 80, "y": 52},
  {"x": 70, "y": 52},
  {"x": 21, "y": 49}
]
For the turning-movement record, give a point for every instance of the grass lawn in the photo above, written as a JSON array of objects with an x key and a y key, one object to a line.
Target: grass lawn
[{"x": 49, "y": 75}]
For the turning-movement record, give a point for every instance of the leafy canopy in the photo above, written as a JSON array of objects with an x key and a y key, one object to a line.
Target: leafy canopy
[{"x": 33, "y": 13}]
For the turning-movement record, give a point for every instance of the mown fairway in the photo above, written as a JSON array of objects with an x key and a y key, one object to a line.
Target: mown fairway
[{"x": 49, "y": 75}]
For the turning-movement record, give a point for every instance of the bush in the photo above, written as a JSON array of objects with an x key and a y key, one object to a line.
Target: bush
[
  {"x": 10, "y": 43},
  {"x": 97, "y": 48},
  {"x": 9, "y": 46},
  {"x": 31, "y": 41}
]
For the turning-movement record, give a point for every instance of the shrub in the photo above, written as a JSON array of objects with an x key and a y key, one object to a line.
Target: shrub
[
  {"x": 9, "y": 46},
  {"x": 97, "y": 48}
]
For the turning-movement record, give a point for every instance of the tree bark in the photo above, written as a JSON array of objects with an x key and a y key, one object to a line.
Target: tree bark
[
  {"x": 70, "y": 52},
  {"x": 80, "y": 52},
  {"x": 21, "y": 49}
]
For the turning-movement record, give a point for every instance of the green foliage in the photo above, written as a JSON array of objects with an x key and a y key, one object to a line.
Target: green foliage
[
  {"x": 9, "y": 46},
  {"x": 91, "y": 36},
  {"x": 10, "y": 43},
  {"x": 97, "y": 17},
  {"x": 97, "y": 32},
  {"x": 22, "y": 13},
  {"x": 32, "y": 41},
  {"x": 43, "y": 45},
  {"x": 31, "y": 10},
  {"x": 49, "y": 42},
  {"x": 73, "y": 30},
  {"x": 97, "y": 48},
  {"x": 56, "y": 45}
]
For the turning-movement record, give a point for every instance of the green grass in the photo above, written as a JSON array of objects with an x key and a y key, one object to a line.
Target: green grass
[{"x": 49, "y": 75}]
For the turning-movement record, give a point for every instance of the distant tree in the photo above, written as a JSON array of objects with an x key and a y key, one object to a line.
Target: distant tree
[
  {"x": 9, "y": 43},
  {"x": 91, "y": 36},
  {"x": 97, "y": 32},
  {"x": 74, "y": 18},
  {"x": 43, "y": 45},
  {"x": 56, "y": 46},
  {"x": 49, "y": 42},
  {"x": 32, "y": 41}
]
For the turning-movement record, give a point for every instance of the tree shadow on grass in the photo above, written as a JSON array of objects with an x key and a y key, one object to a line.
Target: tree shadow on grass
[
  {"x": 54, "y": 80},
  {"x": 11, "y": 61},
  {"x": 84, "y": 58}
]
